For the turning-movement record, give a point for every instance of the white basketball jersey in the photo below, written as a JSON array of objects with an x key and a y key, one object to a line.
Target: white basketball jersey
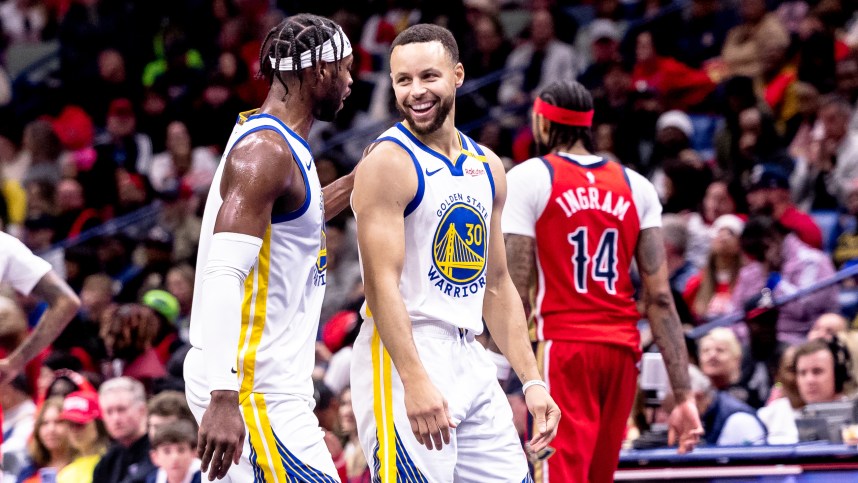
[
  {"x": 284, "y": 290},
  {"x": 446, "y": 233}
]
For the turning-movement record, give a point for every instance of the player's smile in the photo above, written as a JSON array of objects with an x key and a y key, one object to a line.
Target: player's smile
[{"x": 422, "y": 111}]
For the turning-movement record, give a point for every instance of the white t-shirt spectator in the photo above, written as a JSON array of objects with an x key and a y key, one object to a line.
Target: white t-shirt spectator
[{"x": 18, "y": 266}]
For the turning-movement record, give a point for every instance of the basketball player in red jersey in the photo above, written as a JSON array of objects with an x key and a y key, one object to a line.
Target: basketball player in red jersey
[{"x": 579, "y": 221}]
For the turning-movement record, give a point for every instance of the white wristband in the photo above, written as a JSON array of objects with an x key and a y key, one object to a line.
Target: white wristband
[{"x": 533, "y": 382}]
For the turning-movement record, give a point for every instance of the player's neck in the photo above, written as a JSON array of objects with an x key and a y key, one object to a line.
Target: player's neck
[
  {"x": 577, "y": 149},
  {"x": 294, "y": 112},
  {"x": 444, "y": 140}
]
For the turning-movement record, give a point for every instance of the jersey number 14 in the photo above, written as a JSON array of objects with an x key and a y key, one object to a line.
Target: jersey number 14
[{"x": 603, "y": 268}]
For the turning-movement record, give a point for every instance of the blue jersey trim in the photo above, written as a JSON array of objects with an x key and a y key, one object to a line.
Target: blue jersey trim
[
  {"x": 285, "y": 128},
  {"x": 597, "y": 164},
  {"x": 455, "y": 169},
  {"x": 549, "y": 167},
  {"x": 626, "y": 176},
  {"x": 421, "y": 184}
]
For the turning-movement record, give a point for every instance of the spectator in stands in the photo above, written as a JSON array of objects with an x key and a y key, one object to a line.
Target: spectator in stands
[
  {"x": 768, "y": 194},
  {"x": 43, "y": 148},
  {"x": 540, "y": 60},
  {"x": 113, "y": 82},
  {"x": 87, "y": 436},
  {"x": 603, "y": 44},
  {"x": 822, "y": 369},
  {"x": 846, "y": 245},
  {"x": 123, "y": 401},
  {"x": 178, "y": 216},
  {"x": 357, "y": 469},
  {"x": 675, "y": 234},
  {"x": 165, "y": 409},
  {"x": 182, "y": 163},
  {"x": 702, "y": 32},
  {"x": 759, "y": 143},
  {"x": 50, "y": 449},
  {"x": 122, "y": 146},
  {"x": 129, "y": 336},
  {"x": 674, "y": 84},
  {"x": 174, "y": 454},
  {"x": 799, "y": 128},
  {"x": 343, "y": 283},
  {"x": 824, "y": 179},
  {"x": 180, "y": 283},
  {"x": 743, "y": 46},
  {"x": 338, "y": 335},
  {"x": 726, "y": 420},
  {"x": 782, "y": 263},
  {"x": 73, "y": 216},
  {"x": 19, "y": 414},
  {"x": 709, "y": 293},
  {"x": 828, "y": 326},
  {"x": 785, "y": 385},
  {"x": 720, "y": 356}
]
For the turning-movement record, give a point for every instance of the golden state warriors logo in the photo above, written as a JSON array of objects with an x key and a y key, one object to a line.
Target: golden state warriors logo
[
  {"x": 321, "y": 261},
  {"x": 459, "y": 251}
]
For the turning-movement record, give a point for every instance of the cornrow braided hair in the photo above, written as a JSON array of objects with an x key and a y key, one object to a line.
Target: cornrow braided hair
[{"x": 292, "y": 37}]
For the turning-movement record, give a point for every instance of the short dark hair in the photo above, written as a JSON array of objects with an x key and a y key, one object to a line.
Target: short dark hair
[
  {"x": 175, "y": 433},
  {"x": 292, "y": 37},
  {"x": 425, "y": 32},
  {"x": 170, "y": 403},
  {"x": 839, "y": 354},
  {"x": 570, "y": 95},
  {"x": 758, "y": 231}
]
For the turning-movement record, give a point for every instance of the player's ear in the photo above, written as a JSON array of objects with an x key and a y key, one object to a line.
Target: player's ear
[{"x": 459, "y": 72}]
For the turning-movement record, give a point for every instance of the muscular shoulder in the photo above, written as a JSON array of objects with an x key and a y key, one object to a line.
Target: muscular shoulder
[
  {"x": 262, "y": 160},
  {"x": 386, "y": 172}
]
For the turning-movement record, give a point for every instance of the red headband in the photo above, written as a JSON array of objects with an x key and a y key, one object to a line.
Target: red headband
[{"x": 561, "y": 115}]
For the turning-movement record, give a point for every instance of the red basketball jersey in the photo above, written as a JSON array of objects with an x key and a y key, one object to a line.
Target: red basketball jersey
[{"x": 585, "y": 244}]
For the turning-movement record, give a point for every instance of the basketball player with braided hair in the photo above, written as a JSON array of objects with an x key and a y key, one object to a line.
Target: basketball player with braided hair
[
  {"x": 261, "y": 269},
  {"x": 428, "y": 201},
  {"x": 575, "y": 222}
]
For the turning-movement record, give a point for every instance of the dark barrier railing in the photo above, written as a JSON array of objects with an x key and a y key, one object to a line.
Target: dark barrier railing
[{"x": 739, "y": 316}]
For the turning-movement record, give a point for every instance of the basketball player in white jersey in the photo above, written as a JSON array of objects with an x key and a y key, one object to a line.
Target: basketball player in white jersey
[
  {"x": 261, "y": 269},
  {"x": 428, "y": 202}
]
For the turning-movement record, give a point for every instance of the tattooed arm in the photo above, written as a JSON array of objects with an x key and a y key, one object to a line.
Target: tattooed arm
[
  {"x": 684, "y": 421},
  {"x": 521, "y": 261},
  {"x": 63, "y": 305}
]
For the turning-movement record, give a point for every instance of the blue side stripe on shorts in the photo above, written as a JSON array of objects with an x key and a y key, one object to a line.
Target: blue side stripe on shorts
[
  {"x": 295, "y": 468},
  {"x": 527, "y": 479},
  {"x": 376, "y": 463},
  {"x": 405, "y": 466},
  {"x": 258, "y": 475}
]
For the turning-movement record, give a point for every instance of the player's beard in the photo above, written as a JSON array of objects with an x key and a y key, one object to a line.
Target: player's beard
[
  {"x": 327, "y": 108},
  {"x": 445, "y": 105}
]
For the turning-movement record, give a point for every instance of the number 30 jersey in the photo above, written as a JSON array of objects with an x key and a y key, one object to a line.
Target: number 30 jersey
[{"x": 585, "y": 214}]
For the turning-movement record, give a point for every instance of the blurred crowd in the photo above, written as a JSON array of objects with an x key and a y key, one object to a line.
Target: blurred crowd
[{"x": 741, "y": 112}]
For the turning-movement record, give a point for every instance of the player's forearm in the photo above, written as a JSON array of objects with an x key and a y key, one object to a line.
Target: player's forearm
[
  {"x": 521, "y": 265},
  {"x": 394, "y": 328},
  {"x": 337, "y": 194},
  {"x": 504, "y": 317},
  {"x": 667, "y": 331},
  {"x": 52, "y": 323}
]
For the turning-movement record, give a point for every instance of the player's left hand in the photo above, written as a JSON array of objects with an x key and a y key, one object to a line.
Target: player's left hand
[
  {"x": 684, "y": 423},
  {"x": 546, "y": 415}
]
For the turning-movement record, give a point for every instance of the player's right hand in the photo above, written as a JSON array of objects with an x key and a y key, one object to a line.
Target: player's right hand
[
  {"x": 221, "y": 435},
  {"x": 428, "y": 414}
]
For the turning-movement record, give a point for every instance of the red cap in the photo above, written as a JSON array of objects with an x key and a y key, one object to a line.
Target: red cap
[
  {"x": 81, "y": 407},
  {"x": 120, "y": 107},
  {"x": 337, "y": 328}
]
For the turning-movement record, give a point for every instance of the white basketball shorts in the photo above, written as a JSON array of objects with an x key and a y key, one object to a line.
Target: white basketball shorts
[
  {"x": 283, "y": 442},
  {"x": 485, "y": 446}
]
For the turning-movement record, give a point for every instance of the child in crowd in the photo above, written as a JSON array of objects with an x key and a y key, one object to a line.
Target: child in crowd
[{"x": 174, "y": 453}]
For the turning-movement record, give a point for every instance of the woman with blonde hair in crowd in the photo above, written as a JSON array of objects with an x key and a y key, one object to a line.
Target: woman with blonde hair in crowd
[
  {"x": 50, "y": 448},
  {"x": 87, "y": 435},
  {"x": 709, "y": 292},
  {"x": 720, "y": 356}
]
